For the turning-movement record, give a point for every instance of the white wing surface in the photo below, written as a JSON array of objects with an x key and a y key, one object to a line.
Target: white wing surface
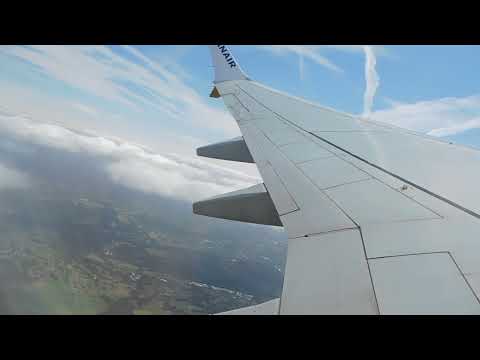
[{"x": 380, "y": 220}]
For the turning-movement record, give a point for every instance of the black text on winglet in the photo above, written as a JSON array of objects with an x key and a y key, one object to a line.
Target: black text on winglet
[{"x": 226, "y": 67}]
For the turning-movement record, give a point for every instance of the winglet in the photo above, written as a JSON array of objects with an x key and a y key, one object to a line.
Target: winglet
[{"x": 226, "y": 67}]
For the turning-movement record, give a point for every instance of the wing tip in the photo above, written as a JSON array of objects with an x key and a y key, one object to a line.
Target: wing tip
[{"x": 225, "y": 64}]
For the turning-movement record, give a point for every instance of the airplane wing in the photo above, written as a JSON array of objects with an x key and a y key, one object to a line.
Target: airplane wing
[{"x": 380, "y": 220}]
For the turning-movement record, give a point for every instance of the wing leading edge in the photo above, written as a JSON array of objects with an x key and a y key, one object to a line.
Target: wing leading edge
[{"x": 376, "y": 220}]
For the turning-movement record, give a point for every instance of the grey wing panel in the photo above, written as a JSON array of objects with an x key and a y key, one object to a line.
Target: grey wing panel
[
  {"x": 424, "y": 161},
  {"x": 297, "y": 200},
  {"x": 267, "y": 308},
  {"x": 328, "y": 274},
  {"x": 422, "y": 284},
  {"x": 343, "y": 212}
]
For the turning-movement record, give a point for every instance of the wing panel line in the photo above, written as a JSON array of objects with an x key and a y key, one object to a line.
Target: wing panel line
[
  {"x": 369, "y": 270},
  {"x": 452, "y": 203},
  {"x": 464, "y": 277}
]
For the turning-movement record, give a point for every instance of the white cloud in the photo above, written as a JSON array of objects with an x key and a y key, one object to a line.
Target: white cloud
[
  {"x": 371, "y": 80},
  {"x": 177, "y": 177},
  {"x": 12, "y": 179},
  {"x": 316, "y": 53},
  {"x": 441, "y": 117},
  {"x": 85, "y": 109},
  {"x": 456, "y": 129},
  {"x": 303, "y": 51},
  {"x": 39, "y": 106},
  {"x": 132, "y": 165},
  {"x": 378, "y": 50},
  {"x": 99, "y": 71}
]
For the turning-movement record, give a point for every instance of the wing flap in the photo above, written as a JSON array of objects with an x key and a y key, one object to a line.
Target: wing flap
[
  {"x": 422, "y": 284},
  {"x": 328, "y": 274}
]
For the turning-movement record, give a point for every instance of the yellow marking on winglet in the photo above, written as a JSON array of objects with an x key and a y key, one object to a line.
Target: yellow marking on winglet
[{"x": 215, "y": 94}]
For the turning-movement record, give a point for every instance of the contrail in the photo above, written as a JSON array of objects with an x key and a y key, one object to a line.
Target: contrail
[{"x": 371, "y": 79}]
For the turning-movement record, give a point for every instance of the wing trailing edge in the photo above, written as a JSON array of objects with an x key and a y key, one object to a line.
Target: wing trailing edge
[{"x": 267, "y": 308}]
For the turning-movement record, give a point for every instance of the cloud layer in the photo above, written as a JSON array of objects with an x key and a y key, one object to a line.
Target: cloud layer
[
  {"x": 129, "y": 164},
  {"x": 12, "y": 179}
]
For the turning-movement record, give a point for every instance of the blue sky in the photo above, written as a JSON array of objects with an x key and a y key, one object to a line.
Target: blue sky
[
  {"x": 157, "y": 96},
  {"x": 102, "y": 83}
]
